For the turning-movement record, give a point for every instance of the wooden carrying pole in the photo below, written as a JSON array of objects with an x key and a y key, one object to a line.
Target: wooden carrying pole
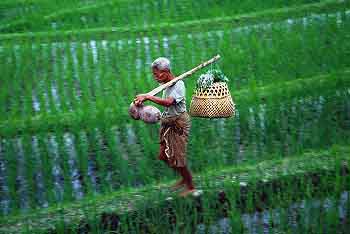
[{"x": 184, "y": 75}]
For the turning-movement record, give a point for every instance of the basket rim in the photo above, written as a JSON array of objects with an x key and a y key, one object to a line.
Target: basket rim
[
  {"x": 211, "y": 97},
  {"x": 220, "y": 83},
  {"x": 217, "y": 83}
]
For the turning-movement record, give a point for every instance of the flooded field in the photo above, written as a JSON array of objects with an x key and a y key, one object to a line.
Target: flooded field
[{"x": 71, "y": 69}]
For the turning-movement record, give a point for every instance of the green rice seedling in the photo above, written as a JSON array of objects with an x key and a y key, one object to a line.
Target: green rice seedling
[
  {"x": 59, "y": 168},
  {"x": 40, "y": 194},
  {"x": 144, "y": 61},
  {"x": 46, "y": 100},
  {"x": 60, "y": 79},
  {"x": 72, "y": 86},
  {"x": 128, "y": 138},
  {"x": 60, "y": 225},
  {"x": 89, "y": 70},
  {"x": 52, "y": 81},
  {"x": 5, "y": 96},
  {"x": 83, "y": 72},
  {"x": 114, "y": 163},
  {"x": 100, "y": 60},
  {"x": 4, "y": 186},
  {"x": 40, "y": 90},
  {"x": 21, "y": 182},
  {"x": 14, "y": 103},
  {"x": 47, "y": 167},
  {"x": 111, "y": 95},
  {"x": 81, "y": 145},
  {"x": 11, "y": 172},
  {"x": 141, "y": 163},
  {"x": 104, "y": 158},
  {"x": 326, "y": 121},
  {"x": 153, "y": 47},
  {"x": 261, "y": 125},
  {"x": 28, "y": 103},
  {"x": 103, "y": 48},
  {"x": 107, "y": 159},
  {"x": 136, "y": 158},
  {"x": 77, "y": 64},
  {"x": 63, "y": 161},
  {"x": 29, "y": 176},
  {"x": 95, "y": 158}
]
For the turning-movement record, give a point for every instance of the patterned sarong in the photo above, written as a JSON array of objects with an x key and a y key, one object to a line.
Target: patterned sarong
[{"x": 173, "y": 135}]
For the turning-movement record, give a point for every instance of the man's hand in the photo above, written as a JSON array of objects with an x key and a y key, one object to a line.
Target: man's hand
[{"x": 140, "y": 99}]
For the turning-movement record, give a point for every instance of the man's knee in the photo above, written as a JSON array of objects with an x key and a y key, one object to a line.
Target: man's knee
[
  {"x": 161, "y": 148},
  {"x": 161, "y": 154}
]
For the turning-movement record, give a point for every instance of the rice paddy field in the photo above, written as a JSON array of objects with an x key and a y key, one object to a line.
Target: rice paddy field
[{"x": 73, "y": 161}]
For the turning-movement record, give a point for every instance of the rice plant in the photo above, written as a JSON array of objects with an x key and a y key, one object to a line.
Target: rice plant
[{"x": 73, "y": 161}]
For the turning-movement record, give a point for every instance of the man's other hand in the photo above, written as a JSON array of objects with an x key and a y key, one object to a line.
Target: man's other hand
[{"x": 140, "y": 99}]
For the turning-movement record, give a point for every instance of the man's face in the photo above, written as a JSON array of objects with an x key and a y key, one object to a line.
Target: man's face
[{"x": 159, "y": 76}]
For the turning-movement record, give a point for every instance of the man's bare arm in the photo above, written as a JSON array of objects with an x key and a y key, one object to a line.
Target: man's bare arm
[
  {"x": 161, "y": 101},
  {"x": 164, "y": 102}
]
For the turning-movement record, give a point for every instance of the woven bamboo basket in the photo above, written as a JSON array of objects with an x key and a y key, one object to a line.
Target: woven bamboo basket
[{"x": 213, "y": 102}]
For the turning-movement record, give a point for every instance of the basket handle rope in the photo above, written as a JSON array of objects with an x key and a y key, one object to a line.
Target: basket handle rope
[{"x": 184, "y": 75}]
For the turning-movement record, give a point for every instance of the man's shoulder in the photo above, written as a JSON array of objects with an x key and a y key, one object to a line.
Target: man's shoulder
[{"x": 180, "y": 84}]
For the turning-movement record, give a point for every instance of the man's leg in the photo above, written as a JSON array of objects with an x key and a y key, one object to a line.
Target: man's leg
[
  {"x": 180, "y": 182},
  {"x": 162, "y": 157},
  {"x": 187, "y": 177}
]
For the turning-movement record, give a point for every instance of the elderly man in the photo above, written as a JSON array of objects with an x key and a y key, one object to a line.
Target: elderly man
[{"x": 175, "y": 124}]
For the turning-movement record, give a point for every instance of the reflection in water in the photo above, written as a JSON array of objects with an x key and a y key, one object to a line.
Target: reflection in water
[
  {"x": 4, "y": 189},
  {"x": 74, "y": 173},
  {"x": 57, "y": 171},
  {"x": 38, "y": 174},
  {"x": 21, "y": 179}
]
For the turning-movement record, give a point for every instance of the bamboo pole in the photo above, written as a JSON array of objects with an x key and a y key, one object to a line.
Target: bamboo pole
[{"x": 184, "y": 75}]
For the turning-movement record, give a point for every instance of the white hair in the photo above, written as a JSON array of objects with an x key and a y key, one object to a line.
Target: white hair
[{"x": 161, "y": 63}]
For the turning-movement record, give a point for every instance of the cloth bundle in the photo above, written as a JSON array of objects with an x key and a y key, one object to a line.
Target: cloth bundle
[{"x": 149, "y": 114}]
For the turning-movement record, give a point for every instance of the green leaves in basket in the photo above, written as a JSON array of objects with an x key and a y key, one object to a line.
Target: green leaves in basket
[
  {"x": 206, "y": 80},
  {"x": 219, "y": 76}
]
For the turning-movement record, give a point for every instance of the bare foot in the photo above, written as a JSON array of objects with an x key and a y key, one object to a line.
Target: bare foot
[
  {"x": 178, "y": 184},
  {"x": 186, "y": 192}
]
